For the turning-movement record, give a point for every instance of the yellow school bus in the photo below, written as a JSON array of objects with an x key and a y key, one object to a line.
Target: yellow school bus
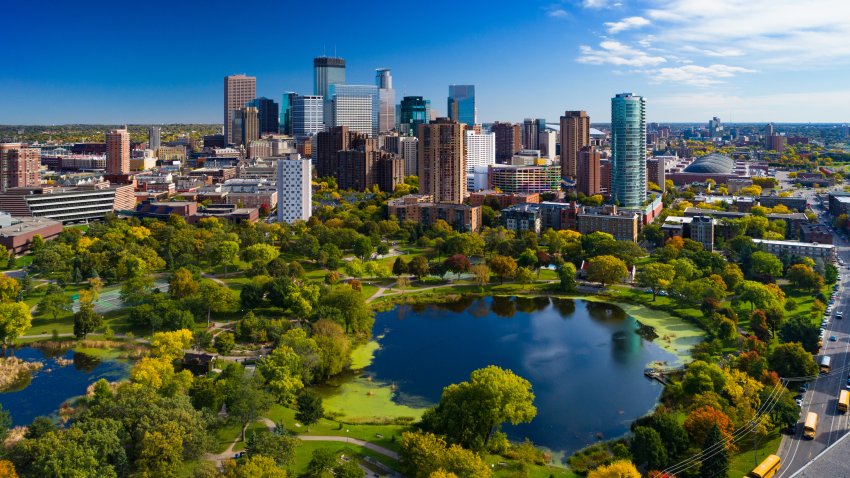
[
  {"x": 811, "y": 426},
  {"x": 843, "y": 401},
  {"x": 767, "y": 468}
]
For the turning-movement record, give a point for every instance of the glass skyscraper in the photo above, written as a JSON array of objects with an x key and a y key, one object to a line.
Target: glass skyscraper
[
  {"x": 327, "y": 71},
  {"x": 285, "y": 120},
  {"x": 461, "y": 104},
  {"x": 386, "y": 93},
  {"x": 268, "y": 111},
  {"x": 413, "y": 111},
  {"x": 628, "y": 149},
  {"x": 307, "y": 115},
  {"x": 355, "y": 106}
]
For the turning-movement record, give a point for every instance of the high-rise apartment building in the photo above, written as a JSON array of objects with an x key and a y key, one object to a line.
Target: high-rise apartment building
[
  {"x": 575, "y": 135},
  {"x": 461, "y": 104},
  {"x": 588, "y": 180},
  {"x": 118, "y": 151},
  {"x": 547, "y": 143},
  {"x": 413, "y": 111},
  {"x": 327, "y": 71},
  {"x": 267, "y": 109},
  {"x": 386, "y": 100},
  {"x": 442, "y": 162},
  {"x": 530, "y": 132},
  {"x": 328, "y": 144},
  {"x": 307, "y": 116},
  {"x": 355, "y": 106},
  {"x": 294, "y": 189},
  {"x": 628, "y": 150},
  {"x": 480, "y": 153},
  {"x": 655, "y": 172},
  {"x": 238, "y": 91},
  {"x": 18, "y": 166},
  {"x": 365, "y": 165},
  {"x": 285, "y": 120},
  {"x": 154, "y": 133},
  {"x": 409, "y": 150},
  {"x": 508, "y": 140}
]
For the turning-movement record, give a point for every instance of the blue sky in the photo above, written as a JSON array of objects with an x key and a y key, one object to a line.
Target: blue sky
[{"x": 145, "y": 62}]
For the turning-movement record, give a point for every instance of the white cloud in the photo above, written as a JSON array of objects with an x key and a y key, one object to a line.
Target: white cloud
[
  {"x": 557, "y": 12},
  {"x": 595, "y": 3},
  {"x": 628, "y": 23},
  {"x": 616, "y": 53},
  {"x": 697, "y": 75}
]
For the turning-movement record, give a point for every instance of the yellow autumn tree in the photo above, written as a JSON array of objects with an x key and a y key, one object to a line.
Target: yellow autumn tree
[
  {"x": 618, "y": 469},
  {"x": 170, "y": 345}
]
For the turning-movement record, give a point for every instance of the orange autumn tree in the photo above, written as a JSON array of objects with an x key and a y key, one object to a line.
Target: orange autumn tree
[{"x": 700, "y": 421}]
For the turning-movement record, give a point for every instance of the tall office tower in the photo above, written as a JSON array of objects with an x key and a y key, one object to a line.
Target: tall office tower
[
  {"x": 529, "y": 134},
  {"x": 480, "y": 149},
  {"x": 409, "y": 150},
  {"x": 238, "y": 91},
  {"x": 508, "y": 140},
  {"x": 715, "y": 128},
  {"x": 386, "y": 100},
  {"x": 413, "y": 111},
  {"x": 285, "y": 120},
  {"x": 328, "y": 144},
  {"x": 327, "y": 71},
  {"x": 547, "y": 142},
  {"x": 245, "y": 125},
  {"x": 307, "y": 115},
  {"x": 628, "y": 150},
  {"x": 442, "y": 162},
  {"x": 294, "y": 189},
  {"x": 769, "y": 130},
  {"x": 18, "y": 166},
  {"x": 575, "y": 135},
  {"x": 355, "y": 106},
  {"x": 461, "y": 104},
  {"x": 267, "y": 109},
  {"x": 154, "y": 137},
  {"x": 118, "y": 151},
  {"x": 588, "y": 181}
]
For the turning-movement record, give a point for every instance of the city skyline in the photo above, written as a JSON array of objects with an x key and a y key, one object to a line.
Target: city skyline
[{"x": 782, "y": 65}]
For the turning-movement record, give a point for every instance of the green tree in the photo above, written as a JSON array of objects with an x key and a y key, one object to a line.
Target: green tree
[
  {"x": 259, "y": 254},
  {"x": 224, "y": 342},
  {"x": 648, "y": 449},
  {"x": 256, "y": 466},
  {"x": 54, "y": 302},
  {"x": 765, "y": 264},
  {"x": 10, "y": 288},
  {"x": 5, "y": 423},
  {"x": 226, "y": 253},
  {"x": 567, "y": 277},
  {"x": 655, "y": 276},
  {"x": 278, "y": 446},
  {"x": 399, "y": 266},
  {"x": 216, "y": 298},
  {"x": 86, "y": 320},
  {"x": 756, "y": 294},
  {"x": 423, "y": 454},
  {"x": 504, "y": 267},
  {"x": 349, "y": 469},
  {"x": 282, "y": 372},
  {"x": 309, "y": 408},
  {"x": 715, "y": 460},
  {"x": 606, "y": 270},
  {"x": 803, "y": 277},
  {"x": 418, "y": 266},
  {"x": 136, "y": 290},
  {"x": 800, "y": 329},
  {"x": 524, "y": 276},
  {"x": 322, "y": 462},
  {"x": 732, "y": 276},
  {"x": 182, "y": 284},
  {"x": 249, "y": 401},
  {"x": 363, "y": 248},
  {"x": 350, "y": 309},
  {"x": 469, "y": 412},
  {"x": 673, "y": 435},
  {"x": 792, "y": 360}
]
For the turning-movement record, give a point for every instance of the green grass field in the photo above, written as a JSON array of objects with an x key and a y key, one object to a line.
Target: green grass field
[{"x": 742, "y": 463}]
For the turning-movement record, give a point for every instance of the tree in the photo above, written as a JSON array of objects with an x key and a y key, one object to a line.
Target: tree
[
  {"x": 399, "y": 266},
  {"x": 618, "y": 469},
  {"x": 249, "y": 401},
  {"x": 282, "y": 372},
  {"x": 504, "y": 267},
  {"x": 10, "y": 288},
  {"x": 524, "y": 276},
  {"x": 170, "y": 345},
  {"x": 7, "y": 469},
  {"x": 732, "y": 275},
  {"x": 136, "y": 290},
  {"x": 5, "y": 424},
  {"x": 715, "y": 461},
  {"x": 363, "y": 248},
  {"x": 350, "y": 309},
  {"x": 182, "y": 284},
  {"x": 759, "y": 326},
  {"x": 469, "y": 412},
  {"x": 216, "y": 298},
  {"x": 280, "y": 447},
  {"x": 655, "y": 276},
  {"x": 791, "y": 360},
  {"x": 15, "y": 320},
  {"x": 224, "y": 342},
  {"x": 418, "y": 266},
  {"x": 256, "y": 466},
  {"x": 765, "y": 264},
  {"x": 298, "y": 299},
  {"x": 480, "y": 274},
  {"x": 86, "y": 320},
  {"x": 54, "y": 302},
  {"x": 673, "y": 435},
  {"x": 800, "y": 329},
  {"x": 457, "y": 263},
  {"x": 648, "y": 449},
  {"x": 260, "y": 254},
  {"x": 226, "y": 253},
  {"x": 606, "y": 270},
  {"x": 803, "y": 277},
  {"x": 322, "y": 462},
  {"x": 310, "y": 409},
  {"x": 567, "y": 277},
  {"x": 699, "y": 423},
  {"x": 349, "y": 469},
  {"x": 757, "y": 294},
  {"x": 423, "y": 454}
]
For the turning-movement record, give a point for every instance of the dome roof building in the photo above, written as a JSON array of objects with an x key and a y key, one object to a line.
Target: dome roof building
[{"x": 713, "y": 163}]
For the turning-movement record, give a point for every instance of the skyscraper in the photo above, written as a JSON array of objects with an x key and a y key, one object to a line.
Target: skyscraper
[
  {"x": 328, "y": 143},
  {"x": 307, "y": 116},
  {"x": 238, "y": 91},
  {"x": 18, "y": 166},
  {"x": 529, "y": 134},
  {"x": 118, "y": 151},
  {"x": 294, "y": 189},
  {"x": 409, "y": 150},
  {"x": 588, "y": 180},
  {"x": 285, "y": 120},
  {"x": 413, "y": 111},
  {"x": 250, "y": 124},
  {"x": 386, "y": 97},
  {"x": 575, "y": 134},
  {"x": 355, "y": 106},
  {"x": 628, "y": 150},
  {"x": 154, "y": 137},
  {"x": 442, "y": 162},
  {"x": 327, "y": 71},
  {"x": 480, "y": 153},
  {"x": 267, "y": 109},
  {"x": 508, "y": 140},
  {"x": 461, "y": 104}
]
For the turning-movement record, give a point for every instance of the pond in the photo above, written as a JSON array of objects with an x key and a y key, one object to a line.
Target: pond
[
  {"x": 55, "y": 383},
  {"x": 585, "y": 361}
]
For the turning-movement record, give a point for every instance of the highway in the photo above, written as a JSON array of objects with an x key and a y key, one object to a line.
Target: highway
[{"x": 822, "y": 396}]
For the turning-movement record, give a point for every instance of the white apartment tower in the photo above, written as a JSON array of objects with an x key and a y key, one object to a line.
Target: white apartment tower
[
  {"x": 294, "y": 189},
  {"x": 480, "y": 153}
]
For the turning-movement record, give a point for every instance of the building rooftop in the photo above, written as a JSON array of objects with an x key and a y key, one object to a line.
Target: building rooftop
[
  {"x": 713, "y": 163},
  {"x": 23, "y": 225},
  {"x": 793, "y": 243}
]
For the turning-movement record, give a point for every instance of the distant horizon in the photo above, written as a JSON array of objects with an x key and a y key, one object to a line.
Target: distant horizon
[{"x": 725, "y": 123}]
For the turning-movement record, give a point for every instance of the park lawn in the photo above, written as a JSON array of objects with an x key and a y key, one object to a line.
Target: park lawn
[
  {"x": 236, "y": 282},
  {"x": 387, "y": 436},
  {"x": 225, "y": 435},
  {"x": 305, "y": 450},
  {"x": 368, "y": 290},
  {"x": 742, "y": 463},
  {"x": 504, "y": 468}
]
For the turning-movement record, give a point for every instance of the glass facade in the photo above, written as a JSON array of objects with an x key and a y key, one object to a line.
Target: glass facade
[
  {"x": 628, "y": 149},
  {"x": 461, "y": 104},
  {"x": 355, "y": 106},
  {"x": 413, "y": 111},
  {"x": 268, "y": 111},
  {"x": 307, "y": 116},
  {"x": 327, "y": 71},
  {"x": 285, "y": 120},
  {"x": 386, "y": 93}
]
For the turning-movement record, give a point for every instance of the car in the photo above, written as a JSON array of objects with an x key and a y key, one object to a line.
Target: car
[
  {"x": 839, "y": 316},
  {"x": 832, "y": 338},
  {"x": 805, "y": 385},
  {"x": 799, "y": 397}
]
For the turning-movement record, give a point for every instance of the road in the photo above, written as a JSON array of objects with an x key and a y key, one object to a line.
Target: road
[{"x": 822, "y": 396}]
